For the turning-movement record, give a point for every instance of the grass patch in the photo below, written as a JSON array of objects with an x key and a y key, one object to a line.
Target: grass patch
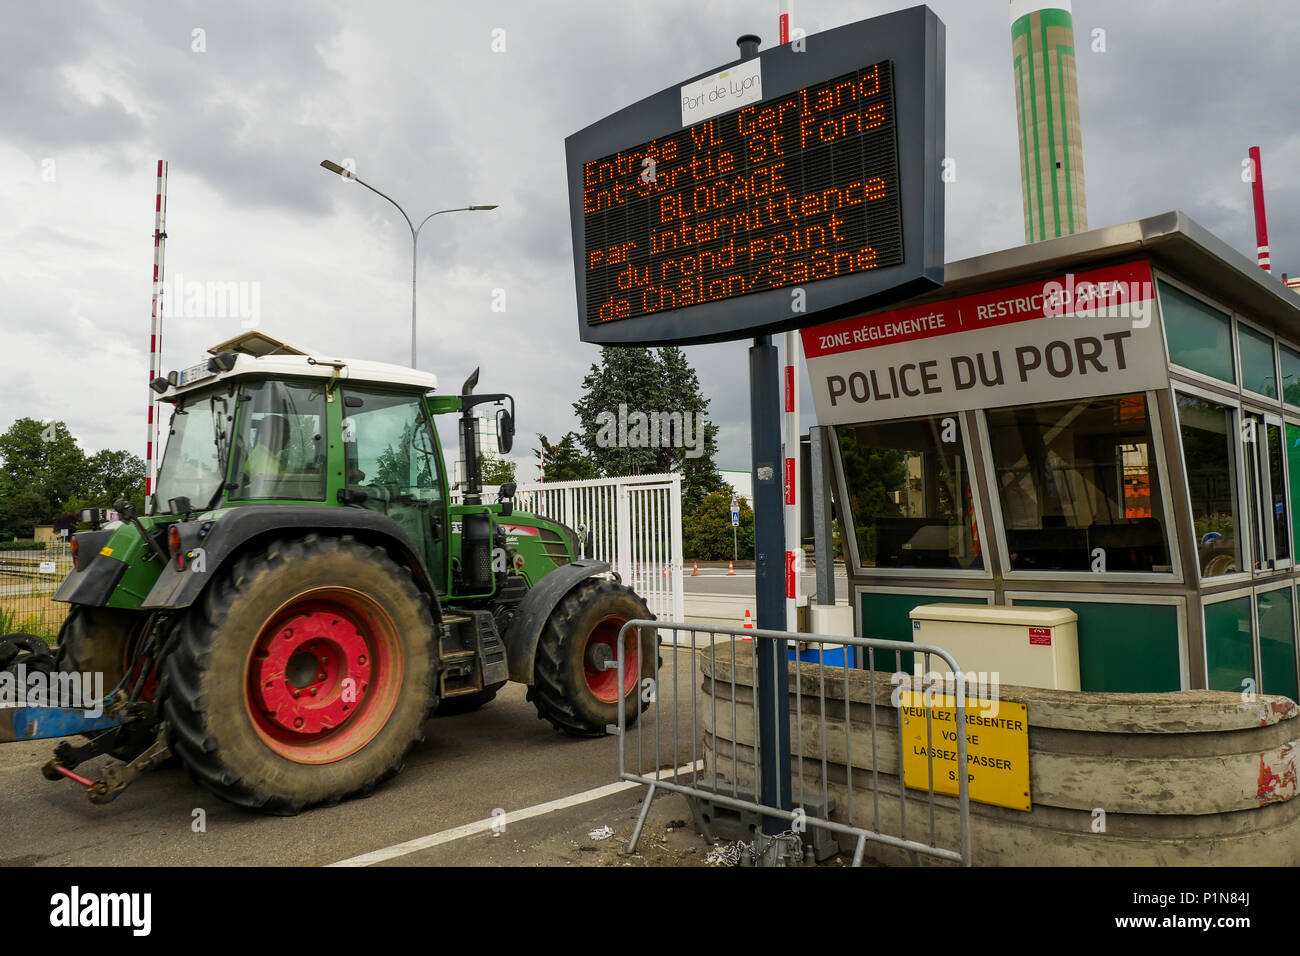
[{"x": 32, "y": 614}]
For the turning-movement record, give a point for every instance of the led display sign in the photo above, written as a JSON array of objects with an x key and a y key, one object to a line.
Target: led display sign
[{"x": 784, "y": 191}]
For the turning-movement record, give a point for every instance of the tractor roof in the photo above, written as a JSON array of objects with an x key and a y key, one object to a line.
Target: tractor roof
[{"x": 258, "y": 354}]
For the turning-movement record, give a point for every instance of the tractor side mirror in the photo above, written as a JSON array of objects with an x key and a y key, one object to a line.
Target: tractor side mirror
[{"x": 505, "y": 431}]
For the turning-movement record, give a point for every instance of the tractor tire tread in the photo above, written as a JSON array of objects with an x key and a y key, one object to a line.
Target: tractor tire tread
[
  {"x": 550, "y": 692},
  {"x": 185, "y": 705}
]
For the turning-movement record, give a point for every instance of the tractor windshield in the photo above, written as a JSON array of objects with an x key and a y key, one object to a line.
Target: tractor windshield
[{"x": 193, "y": 464}]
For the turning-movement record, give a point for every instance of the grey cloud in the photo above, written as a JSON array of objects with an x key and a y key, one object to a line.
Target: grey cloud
[{"x": 413, "y": 93}]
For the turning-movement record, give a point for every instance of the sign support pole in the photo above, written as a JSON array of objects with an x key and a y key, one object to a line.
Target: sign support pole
[{"x": 772, "y": 678}]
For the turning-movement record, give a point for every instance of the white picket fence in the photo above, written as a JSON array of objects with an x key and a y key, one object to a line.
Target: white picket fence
[{"x": 635, "y": 525}]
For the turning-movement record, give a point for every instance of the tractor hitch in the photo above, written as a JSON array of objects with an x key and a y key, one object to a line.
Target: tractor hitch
[{"x": 116, "y": 777}]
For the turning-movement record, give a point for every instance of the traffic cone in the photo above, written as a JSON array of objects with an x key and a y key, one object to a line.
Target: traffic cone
[
  {"x": 665, "y": 571},
  {"x": 731, "y": 570},
  {"x": 695, "y": 569},
  {"x": 749, "y": 624}
]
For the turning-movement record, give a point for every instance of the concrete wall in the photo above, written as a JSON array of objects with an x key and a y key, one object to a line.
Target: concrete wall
[{"x": 1185, "y": 778}]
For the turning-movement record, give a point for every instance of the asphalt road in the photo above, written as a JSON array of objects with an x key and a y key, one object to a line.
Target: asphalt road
[{"x": 500, "y": 759}]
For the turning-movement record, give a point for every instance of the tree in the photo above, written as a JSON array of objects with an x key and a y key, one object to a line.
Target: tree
[
  {"x": 497, "y": 470},
  {"x": 682, "y": 389},
  {"x": 111, "y": 475},
  {"x": 563, "y": 461},
  {"x": 43, "y": 469},
  {"x": 642, "y": 412},
  {"x": 117, "y": 474},
  {"x": 626, "y": 379},
  {"x": 21, "y": 510},
  {"x": 706, "y": 529}
]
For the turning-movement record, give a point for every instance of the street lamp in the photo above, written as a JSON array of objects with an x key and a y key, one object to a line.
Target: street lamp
[{"x": 415, "y": 230}]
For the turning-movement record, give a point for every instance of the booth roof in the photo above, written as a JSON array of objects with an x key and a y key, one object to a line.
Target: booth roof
[{"x": 1172, "y": 241}]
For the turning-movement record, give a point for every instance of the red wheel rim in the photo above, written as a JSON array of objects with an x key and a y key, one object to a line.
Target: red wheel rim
[
  {"x": 323, "y": 675},
  {"x": 601, "y": 647}
]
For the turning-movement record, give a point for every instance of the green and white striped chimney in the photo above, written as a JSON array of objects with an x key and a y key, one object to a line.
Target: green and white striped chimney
[{"x": 1047, "y": 108}]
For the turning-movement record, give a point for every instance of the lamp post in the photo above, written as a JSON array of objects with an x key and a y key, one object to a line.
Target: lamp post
[{"x": 415, "y": 230}]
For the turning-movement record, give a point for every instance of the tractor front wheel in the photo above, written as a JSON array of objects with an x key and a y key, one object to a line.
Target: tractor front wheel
[
  {"x": 303, "y": 676},
  {"x": 573, "y": 686}
]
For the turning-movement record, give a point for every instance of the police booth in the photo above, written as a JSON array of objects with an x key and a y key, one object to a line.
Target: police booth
[{"x": 1107, "y": 422}]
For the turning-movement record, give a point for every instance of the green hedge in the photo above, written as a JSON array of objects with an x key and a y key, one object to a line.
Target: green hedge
[{"x": 23, "y": 546}]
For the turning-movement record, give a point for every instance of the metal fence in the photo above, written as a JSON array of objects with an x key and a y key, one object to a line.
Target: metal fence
[
  {"x": 28, "y": 580},
  {"x": 635, "y": 525},
  {"x": 708, "y": 711}
]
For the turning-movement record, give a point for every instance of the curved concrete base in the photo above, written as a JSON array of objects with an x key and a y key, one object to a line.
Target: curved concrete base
[{"x": 1191, "y": 778}]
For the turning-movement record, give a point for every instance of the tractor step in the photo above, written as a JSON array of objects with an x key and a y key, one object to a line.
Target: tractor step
[{"x": 473, "y": 656}]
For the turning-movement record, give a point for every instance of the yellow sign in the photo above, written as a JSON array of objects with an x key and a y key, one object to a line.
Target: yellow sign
[{"x": 997, "y": 749}]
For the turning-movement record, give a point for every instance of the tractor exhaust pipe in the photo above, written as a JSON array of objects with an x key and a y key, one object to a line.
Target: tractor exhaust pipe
[{"x": 469, "y": 444}]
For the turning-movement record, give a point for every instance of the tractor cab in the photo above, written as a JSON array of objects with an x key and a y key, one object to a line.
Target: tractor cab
[{"x": 265, "y": 423}]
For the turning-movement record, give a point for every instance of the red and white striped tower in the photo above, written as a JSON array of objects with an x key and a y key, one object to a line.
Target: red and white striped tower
[
  {"x": 785, "y": 22},
  {"x": 790, "y": 430},
  {"x": 155, "y": 330},
  {"x": 1261, "y": 226}
]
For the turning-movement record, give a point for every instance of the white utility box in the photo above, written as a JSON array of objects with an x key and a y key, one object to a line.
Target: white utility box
[
  {"x": 833, "y": 620},
  {"x": 1026, "y": 646}
]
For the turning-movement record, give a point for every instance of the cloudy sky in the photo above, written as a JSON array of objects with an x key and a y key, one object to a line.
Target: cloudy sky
[{"x": 244, "y": 99}]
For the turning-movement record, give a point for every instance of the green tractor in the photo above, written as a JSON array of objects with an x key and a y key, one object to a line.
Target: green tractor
[{"x": 302, "y": 595}]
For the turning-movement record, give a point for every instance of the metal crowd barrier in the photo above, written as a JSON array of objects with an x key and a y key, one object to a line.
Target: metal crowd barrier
[{"x": 727, "y": 791}]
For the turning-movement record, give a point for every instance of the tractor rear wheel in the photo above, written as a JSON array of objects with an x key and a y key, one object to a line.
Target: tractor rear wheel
[
  {"x": 98, "y": 640},
  {"x": 103, "y": 640},
  {"x": 572, "y": 688},
  {"x": 303, "y": 676}
]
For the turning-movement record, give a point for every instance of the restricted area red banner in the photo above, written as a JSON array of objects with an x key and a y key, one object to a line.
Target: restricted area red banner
[{"x": 1084, "y": 293}]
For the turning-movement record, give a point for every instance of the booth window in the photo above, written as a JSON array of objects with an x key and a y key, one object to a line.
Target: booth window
[
  {"x": 1199, "y": 337},
  {"x": 909, "y": 494},
  {"x": 1257, "y": 369},
  {"x": 1209, "y": 453},
  {"x": 1078, "y": 486},
  {"x": 1290, "y": 375},
  {"x": 1265, "y": 461}
]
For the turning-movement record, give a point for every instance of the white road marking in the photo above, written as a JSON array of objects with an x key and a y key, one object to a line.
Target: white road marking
[{"x": 512, "y": 816}]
